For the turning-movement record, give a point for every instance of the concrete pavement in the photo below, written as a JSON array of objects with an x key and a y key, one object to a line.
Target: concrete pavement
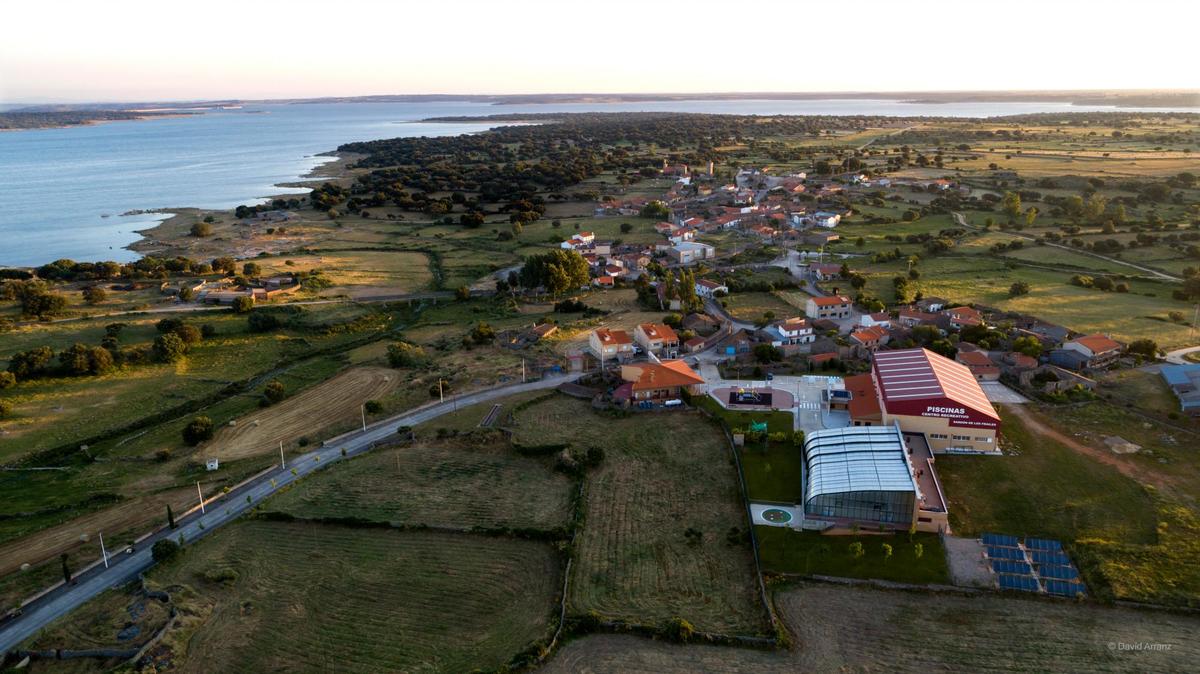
[{"x": 223, "y": 509}]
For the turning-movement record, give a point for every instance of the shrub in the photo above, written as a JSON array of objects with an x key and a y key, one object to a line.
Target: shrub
[
  {"x": 94, "y": 295},
  {"x": 7, "y": 380},
  {"x": 5, "y": 408},
  {"x": 403, "y": 354},
  {"x": 201, "y": 229},
  {"x": 262, "y": 321},
  {"x": 164, "y": 550},
  {"x": 198, "y": 430},
  {"x": 208, "y": 330},
  {"x": 227, "y": 576},
  {"x": 274, "y": 391},
  {"x": 678, "y": 630},
  {"x": 373, "y": 407}
]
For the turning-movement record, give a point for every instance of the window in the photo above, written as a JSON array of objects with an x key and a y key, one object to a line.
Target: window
[
  {"x": 988, "y": 440},
  {"x": 962, "y": 437},
  {"x": 938, "y": 436}
]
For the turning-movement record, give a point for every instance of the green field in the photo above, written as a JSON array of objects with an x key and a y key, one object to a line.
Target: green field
[
  {"x": 662, "y": 475},
  {"x": 784, "y": 550},
  {"x": 308, "y": 597},
  {"x": 450, "y": 484}
]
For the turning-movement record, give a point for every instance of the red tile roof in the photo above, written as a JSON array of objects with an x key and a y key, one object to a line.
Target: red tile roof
[
  {"x": 1097, "y": 343},
  {"x": 659, "y": 331},
  {"x": 830, "y": 301},
  {"x": 667, "y": 374},
  {"x": 607, "y": 336},
  {"x": 864, "y": 401}
]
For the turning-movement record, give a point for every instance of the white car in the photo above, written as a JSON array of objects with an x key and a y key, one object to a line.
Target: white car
[{"x": 675, "y": 402}]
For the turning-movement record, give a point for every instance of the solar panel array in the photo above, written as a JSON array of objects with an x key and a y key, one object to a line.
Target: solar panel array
[
  {"x": 1051, "y": 570},
  {"x": 1011, "y": 566},
  {"x": 1001, "y": 540}
]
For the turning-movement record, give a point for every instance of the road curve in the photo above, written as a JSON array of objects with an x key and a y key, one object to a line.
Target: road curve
[
  {"x": 124, "y": 567},
  {"x": 1176, "y": 357}
]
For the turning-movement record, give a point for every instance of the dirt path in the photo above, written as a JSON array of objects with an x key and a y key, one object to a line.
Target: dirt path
[
  {"x": 962, "y": 222},
  {"x": 1127, "y": 468},
  {"x": 308, "y": 413}
]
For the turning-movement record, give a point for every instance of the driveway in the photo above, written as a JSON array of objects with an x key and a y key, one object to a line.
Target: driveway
[{"x": 1176, "y": 357}]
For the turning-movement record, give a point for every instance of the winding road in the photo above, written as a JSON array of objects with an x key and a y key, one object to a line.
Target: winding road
[{"x": 224, "y": 509}]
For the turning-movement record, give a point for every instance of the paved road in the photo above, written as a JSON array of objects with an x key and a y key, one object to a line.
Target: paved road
[
  {"x": 124, "y": 567},
  {"x": 962, "y": 222},
  {"x": 1176, "y": 357}
]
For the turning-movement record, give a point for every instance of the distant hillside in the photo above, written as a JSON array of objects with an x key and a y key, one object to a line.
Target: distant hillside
[{"x": 48, "y": 119}]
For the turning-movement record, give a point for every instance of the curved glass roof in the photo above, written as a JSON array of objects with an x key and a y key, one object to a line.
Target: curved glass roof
[{"x": 856, "y": 458}]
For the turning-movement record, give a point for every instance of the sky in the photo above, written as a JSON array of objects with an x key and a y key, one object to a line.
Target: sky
[{"x": 136, "y": 50}]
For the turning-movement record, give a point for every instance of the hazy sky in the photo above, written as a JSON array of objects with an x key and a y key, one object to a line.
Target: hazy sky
[{"x": 125, "y": 50}]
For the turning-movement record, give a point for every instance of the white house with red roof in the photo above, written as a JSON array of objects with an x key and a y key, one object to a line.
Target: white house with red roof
[
  {"x": 609, "y": 344},
  {"x": 831, "y": 307},
  {"x": 708, "y": 288}
]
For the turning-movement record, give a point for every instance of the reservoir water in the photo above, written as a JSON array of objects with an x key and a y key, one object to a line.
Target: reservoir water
[{"x": 62, "y": 191}]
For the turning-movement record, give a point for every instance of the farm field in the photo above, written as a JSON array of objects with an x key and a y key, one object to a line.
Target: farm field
[
  {"x": 662, "y": 474},
  {"x": 450, "y": 483},
  {"x": 360, "y": 274},
  {"x": 859, "y": 629},
  {"x": 264, "y": 596},
  {"x": 308, "y": 414}
]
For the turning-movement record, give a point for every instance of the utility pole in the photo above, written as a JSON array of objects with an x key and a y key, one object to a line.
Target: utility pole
[
  {"x": 441, "y": 394},
  {"x": 522, "y": 370},
  {"x": 363, "y": 409},
  {"x": 103, "y": 552},
  {"x": 282, "y": 461},
  {"x": 201, "y": 496}
]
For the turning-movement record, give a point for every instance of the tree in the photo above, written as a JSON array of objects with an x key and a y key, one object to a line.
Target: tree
[
  {"x": 626, "y": 228},
  {"x": 1011, "y": 205},
  {"x": 403, "y": 354},
  {"x": 1143, "y": 347},
  {"x": 5, "y": 408},
  {"x": 766, "y": 353},
  {"x": 656, "y": 210},
  {"x": 66, "y": 570},
  {"x": 7, "y": 380},
  {"x": 557, "y": 271},
  {"x": 242, "y": 305},
  {"x": 919, "y": 550},
  {"x": 224, "y": 265},
  {"x": 30, "y": 364},
  {"x": 94, "y": 295},
  {"x": 462, "y": 293},
  {"x": 201, "y": 230},
  {"x": 482, "y": 333},
  {"x": 251, "y": 269},
  {"x": 887, "y": 552},
  {"x": 170, "y": 517},
  {"x": 373, "y": 407},
  {"x": 856, "y": 549},
  {"x": 198, "y": 430},
  {"x": 274, "y": 391},
  {"x": 1018, "y": 288},
  {"x": 190, "y": 334},
  {"x": 678, "y": 630},
  {"x": 1028, "y": 345},
  {"x": 169, "y": 348},
  {"x": 163, "y": 550}
]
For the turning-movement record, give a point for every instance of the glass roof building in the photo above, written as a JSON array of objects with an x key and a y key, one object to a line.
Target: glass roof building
[{"x": 859, "y": 473}]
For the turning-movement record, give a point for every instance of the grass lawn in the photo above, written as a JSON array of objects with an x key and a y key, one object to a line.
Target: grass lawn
[
  {"x": 774, "y": 473},
  {"x": 751, "y": 306},
  {"x": 662, "y": 474},
  {"x": 303, "y": 597},
  {"x": 784, "y": 550}
]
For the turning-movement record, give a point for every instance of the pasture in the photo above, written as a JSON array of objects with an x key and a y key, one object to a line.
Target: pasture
[
  {"x": 662, "y": 475},
  {"x": 264, "y": 596},
  {"x": 860, "y": 629},
  {"x": 453, "y": 484}
]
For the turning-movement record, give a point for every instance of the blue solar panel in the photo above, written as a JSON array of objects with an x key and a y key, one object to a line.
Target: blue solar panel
[
  {"x": 1046, "y": 557},
  {"x": 1064, "y": 588},
  {"x": 994, "y": 552},
  {"x": 1043, "y": 544},
  {"x": 1059, "y": 572},
  {"x": 1002, "y": 540},
  {"x": 1014, "y": 582},
  {"x": 1011, "y": 566}
]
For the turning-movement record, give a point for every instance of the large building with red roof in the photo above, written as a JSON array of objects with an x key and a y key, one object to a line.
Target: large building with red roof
[{"x": 929, "y": 394}]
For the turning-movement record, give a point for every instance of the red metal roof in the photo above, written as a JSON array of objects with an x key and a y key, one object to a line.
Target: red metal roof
[{"x": 909, "y": 375}]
